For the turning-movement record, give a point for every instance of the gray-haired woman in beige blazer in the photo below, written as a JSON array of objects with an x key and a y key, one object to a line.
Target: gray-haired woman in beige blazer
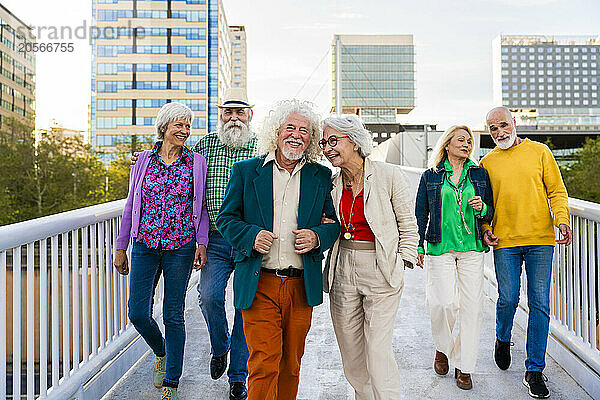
[{"x": 364, "y": 273}]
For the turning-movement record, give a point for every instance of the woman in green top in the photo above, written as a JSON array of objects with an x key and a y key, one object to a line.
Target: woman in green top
[{"x": 453, "y": 199}]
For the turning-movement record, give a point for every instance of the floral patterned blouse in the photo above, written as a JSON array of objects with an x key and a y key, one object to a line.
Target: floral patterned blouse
[{"x": 167, "y": 193}]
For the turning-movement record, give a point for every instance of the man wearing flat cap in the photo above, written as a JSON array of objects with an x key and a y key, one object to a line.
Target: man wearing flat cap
[{"x": 233, "y": 141}]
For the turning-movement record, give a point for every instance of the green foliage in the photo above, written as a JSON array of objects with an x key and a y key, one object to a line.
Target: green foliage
[
  {"x": 118, "y": 170},
  {"x": 52, "y": 175},
  {"x": 582, "y": 176}
]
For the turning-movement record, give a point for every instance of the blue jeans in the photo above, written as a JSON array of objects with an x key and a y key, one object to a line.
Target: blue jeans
[
  {"x": 176, "y": 266},
  {"x": 538, "y": 266},
  {"x": 211, "y": 288}
]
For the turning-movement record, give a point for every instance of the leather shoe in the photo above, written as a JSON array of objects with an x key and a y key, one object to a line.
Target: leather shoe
[
  {"x": 237, "y": 391},
  {"x": 440, "y": 365},
  {"x": 463, "y": 381},
  {"x": 218, "y": 364}
]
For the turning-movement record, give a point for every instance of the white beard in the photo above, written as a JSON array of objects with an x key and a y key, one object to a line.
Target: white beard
[
  {"x": 234, "y": 134},
  {"x": 508, "y": 142},
  {"x": 292, "y": 156}
]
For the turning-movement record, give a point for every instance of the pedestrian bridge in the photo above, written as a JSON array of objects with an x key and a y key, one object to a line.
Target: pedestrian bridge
[{"x": 64, "y": 331}]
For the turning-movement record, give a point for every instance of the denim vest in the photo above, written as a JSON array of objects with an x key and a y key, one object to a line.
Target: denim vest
[{"x": 428, "y": 208}]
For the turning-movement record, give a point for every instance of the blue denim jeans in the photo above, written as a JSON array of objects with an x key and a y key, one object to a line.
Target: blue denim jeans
[
  {"x": 176, "y": 266},
  {"x": 538, "y": 266},
  {"x": 211, "y": 288}
]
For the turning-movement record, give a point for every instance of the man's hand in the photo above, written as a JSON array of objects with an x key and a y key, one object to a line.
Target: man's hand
[
  {"x": 567, "y": 234},
  {"x": 408, "y": 264},
  {"x": 476, "y": 203},
  {"x": 325, "y": 220},
  {"x": 264, "y": 241},
  {"x": 420, "y": 259},
  {"x": 489, "y": 238},
  {"x": 120, "y": 262},
  {"x": 199, "y": 257},
  {"x": 306, "y": 240},
  {"x": 134, "y": 157}
]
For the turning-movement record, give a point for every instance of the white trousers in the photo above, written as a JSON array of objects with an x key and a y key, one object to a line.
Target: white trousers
[
  {"x": 455, "y": 286},
  {"x": 363, "y": 309}
]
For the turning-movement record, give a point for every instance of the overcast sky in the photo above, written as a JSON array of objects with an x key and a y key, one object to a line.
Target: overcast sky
[{"x": 288, "y": 39}]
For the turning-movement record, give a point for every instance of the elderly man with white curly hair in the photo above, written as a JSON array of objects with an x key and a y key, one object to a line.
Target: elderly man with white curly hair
[
  {"x": 271, "y": 215},
  {"x": 232, "y": 141}
]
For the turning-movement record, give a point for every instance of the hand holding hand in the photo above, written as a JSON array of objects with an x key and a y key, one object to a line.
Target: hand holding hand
[
  {"x": 306, "y": 240},
  {"x": 120, "y": 262},
  {"x": 420, "y": 259},
  {"x": 489, "y": 238},
  {"x": 567, "y": 234},
  {"x": 264, "y": 241},
  {"x": 199, "y": 257},
  {"x": 476, "y": 203}
]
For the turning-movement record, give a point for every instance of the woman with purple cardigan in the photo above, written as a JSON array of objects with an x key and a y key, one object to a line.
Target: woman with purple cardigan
[{"x": 166, "y": 214}]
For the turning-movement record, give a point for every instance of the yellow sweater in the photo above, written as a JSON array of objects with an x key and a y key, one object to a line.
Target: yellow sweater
[{"x": 524, "y": 179}]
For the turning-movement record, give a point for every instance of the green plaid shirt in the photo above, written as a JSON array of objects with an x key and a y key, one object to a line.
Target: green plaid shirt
[{"x": 220, "y": 159}]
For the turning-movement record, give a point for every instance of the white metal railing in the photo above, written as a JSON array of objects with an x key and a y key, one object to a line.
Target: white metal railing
[
  {"x": 575, "y": 288},
  {"x": 72, "y": 301}
]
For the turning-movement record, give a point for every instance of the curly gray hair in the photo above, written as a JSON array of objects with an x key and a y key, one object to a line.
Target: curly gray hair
[
  {"x": 267, "y": 138},
  {"x": 171, "y": 112},
  {"x": 351, "y": 125}
]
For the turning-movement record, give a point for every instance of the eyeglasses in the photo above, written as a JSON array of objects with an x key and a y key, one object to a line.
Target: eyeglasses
[{"x": 331, "y": 140}]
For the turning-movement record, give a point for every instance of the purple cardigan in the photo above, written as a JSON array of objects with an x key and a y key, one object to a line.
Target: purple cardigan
[{"x": 133, "y": 207}]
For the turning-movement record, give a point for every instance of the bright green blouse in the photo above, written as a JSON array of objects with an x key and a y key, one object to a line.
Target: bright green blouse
[{"x": 454, "y": 234}]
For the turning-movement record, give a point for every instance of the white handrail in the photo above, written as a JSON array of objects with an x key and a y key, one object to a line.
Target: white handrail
[{"x": 40, "y": 228}]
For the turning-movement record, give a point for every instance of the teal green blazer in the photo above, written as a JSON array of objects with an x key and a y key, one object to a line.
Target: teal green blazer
[{"x": 248, "y": 208}]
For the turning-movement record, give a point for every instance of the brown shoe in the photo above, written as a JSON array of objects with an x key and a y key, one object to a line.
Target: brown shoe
[
  {"x": 440, "y": 365},
  {"x": 463, "y": 381}
]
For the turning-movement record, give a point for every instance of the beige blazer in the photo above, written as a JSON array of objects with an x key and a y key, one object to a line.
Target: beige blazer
[{"x": 390, "y": 213}]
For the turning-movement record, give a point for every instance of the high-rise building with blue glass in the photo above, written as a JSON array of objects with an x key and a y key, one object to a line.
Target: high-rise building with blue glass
[
  {"x": 376, "y": 77},
  {"x": 146, "y": 53}
]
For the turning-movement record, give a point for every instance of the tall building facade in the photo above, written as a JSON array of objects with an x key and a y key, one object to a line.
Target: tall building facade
[
  {"x": 17, "y": 61},
  {"x": 549, "y": 82},
  {"x": 376, "y": 75},
  {"x": 150, "y": 52},
  {"x": 238, "y": 56}
]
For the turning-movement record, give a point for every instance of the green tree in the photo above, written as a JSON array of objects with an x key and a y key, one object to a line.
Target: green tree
[
  {"x": 45, "y": 176},
  {"x": 582, "y": 175},
  {"x": 118, "y": 170}
]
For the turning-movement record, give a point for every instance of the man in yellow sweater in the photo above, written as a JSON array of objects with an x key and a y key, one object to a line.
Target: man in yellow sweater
[{"x": 528, "y": 191}]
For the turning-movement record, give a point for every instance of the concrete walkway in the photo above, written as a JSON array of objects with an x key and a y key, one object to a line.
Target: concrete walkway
[{"x": 322, "y": 377}]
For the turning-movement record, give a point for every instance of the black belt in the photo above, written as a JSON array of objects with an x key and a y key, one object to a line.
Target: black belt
[{"x": 285, "y": 273}]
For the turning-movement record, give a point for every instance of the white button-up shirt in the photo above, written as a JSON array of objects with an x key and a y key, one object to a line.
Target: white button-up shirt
[{"x": 286, "y": 199}]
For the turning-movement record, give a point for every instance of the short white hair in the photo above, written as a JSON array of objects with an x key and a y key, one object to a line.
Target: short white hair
[
  {"x": 171, "y": 112},
  {"x": 353, "y": 127},
  {"x": 267, "y": 137}
]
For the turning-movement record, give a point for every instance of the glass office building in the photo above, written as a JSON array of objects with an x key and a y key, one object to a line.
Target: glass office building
[
  {"x": 17, "y": 78},
  {"x": 549, "y": 82},
  {"x": 376, "y": 75},
  {"x": 148, "y": 53}
]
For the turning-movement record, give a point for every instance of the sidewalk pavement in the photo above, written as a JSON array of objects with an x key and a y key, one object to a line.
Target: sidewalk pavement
[{"x": 322, "y": 377}]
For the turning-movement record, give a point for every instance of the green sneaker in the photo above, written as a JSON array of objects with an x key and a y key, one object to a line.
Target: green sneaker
[
  {"x": 169, "y": 393},
  {"x": 158, "y": 373}
]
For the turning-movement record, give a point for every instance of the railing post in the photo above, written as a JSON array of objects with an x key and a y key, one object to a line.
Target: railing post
[
  {"x": 43, "y": 318},
  {"x": 16, "y": 310},
  {"x": 30, "y": 322},
  {"x": 3, "y": 321}
]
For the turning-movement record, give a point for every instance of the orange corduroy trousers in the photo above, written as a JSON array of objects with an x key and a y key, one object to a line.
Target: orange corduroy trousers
[{"x": 276, "y": 326}]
